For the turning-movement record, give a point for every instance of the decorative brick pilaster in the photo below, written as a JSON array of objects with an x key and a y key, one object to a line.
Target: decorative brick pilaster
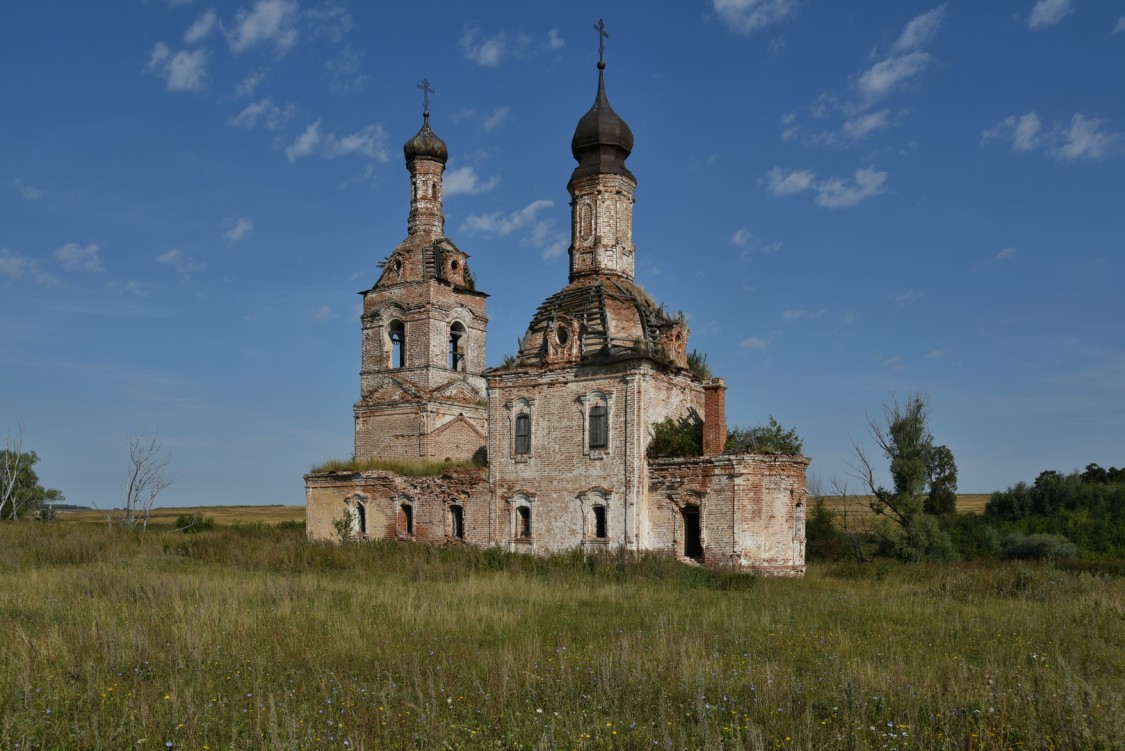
[{"x": 714, "y": 417}]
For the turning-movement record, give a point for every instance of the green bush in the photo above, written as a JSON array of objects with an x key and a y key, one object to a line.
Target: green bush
[
  {"x": 683, "y": 437},
  {"x": 193, "y": 523},
  {"x": 1036, "y": 547}
]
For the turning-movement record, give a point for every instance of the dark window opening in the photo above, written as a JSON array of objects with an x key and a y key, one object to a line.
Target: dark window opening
[
  {"x": 407, "y": 519},
  {"x": 599, "y": 433},
  {"x": 599, "y": 523},
  {"x": 457, "y": 522},
  {"x": 360, "y": 519},
  {"x": 523, "y": 433},
  {"x": 693, "y": 544},
  {"x": 456, "y": 353},
  {"x": 398, "y": 345},
  {"x": 523, "y": 523}
]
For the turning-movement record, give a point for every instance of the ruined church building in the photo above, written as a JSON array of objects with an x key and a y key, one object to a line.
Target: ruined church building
[{"x": 565, "y": 426}]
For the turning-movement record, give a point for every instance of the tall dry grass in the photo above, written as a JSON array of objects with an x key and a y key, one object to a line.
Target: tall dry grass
[{"x": 250, "y": 637}]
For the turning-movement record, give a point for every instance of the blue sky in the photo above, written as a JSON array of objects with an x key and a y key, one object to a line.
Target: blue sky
[{"x": 847, "y": 200}]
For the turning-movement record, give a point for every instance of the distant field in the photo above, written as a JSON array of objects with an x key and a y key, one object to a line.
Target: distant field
[
  {"x": 858, "y": 509},
  {"x": 221, "y": 514}
]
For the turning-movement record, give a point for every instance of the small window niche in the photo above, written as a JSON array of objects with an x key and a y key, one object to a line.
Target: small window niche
[
  {"x": 457, "y": 346},
  {"x": 523, "y": 522},
  {"x": 599, "y": 429},
  {"x": 601, "y": 531},
  {"x": 406, "y": 520},
  {"x": 457, "y": 522},
  {"x": 397, "y": 333},
  {"x": 523, "y": 433}
]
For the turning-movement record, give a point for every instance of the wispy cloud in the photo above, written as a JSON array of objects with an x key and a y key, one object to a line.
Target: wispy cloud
[
  {"x": 892, "y": 72},
  {"x": 182, "y": 70},
  {"x": 936, "y": 354},
  {"x": 75, "y": 256},
  {"x": 484, "y": 51},
  {"x": 136, "y": 289},
  {"x": 182, "y": 262},
  {"x": 536, "y": 231},
  {"x": 264, "y": 113},
  {"x": 1005, "y": 254},
  {"x": 1047, "y": 13},
  {"x": 747, "y": 16},
  {"x": 798, "y": 315},
  {"x": 1120, "y": 27},
  {"x": 894, "y": 363},
  {"x": 343, "y": 72},
  {"x": 269, "y": 22},
  {"x": 324, "y": 314},
  {"x": 1081, "y": 138},
  {"x": 251, "y": 82},
  {"x": 754, "y": 342},
  {"x": 832, "y": 192},
  {"x": 495, "y": 120},
  {"x": 556, "y": 42},
  {"x": 465, "y": 180},
  {"x": 371, "y": 142},
  {"x": 242, "y": 227},
  {"x": 750, "y": 245},
  {"x": 14, "y": 265},
  {"x": 907, "y": 297},
  {"x": 202, "y": 27},
  {"x": 29, "y": 192}
]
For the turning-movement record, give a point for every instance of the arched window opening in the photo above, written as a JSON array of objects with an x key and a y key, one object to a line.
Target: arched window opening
[
  {"x": 406, "y": 519},
  {"x": 398, "y": 344},
  {"x": 457, "y": 522},
  {"x": 600, "y": 531},
  {"x": 523, "y": 433},
  {"x": 523, "y": 522},
  {"x": 599, "y": 433},
  {"x": 359, "y": 519},
  {"x": 456, "y": 346},
  {"x": 693, "y": 543}
]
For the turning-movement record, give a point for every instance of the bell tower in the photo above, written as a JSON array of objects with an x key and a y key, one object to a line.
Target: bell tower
[{"x": 424, "y": 322}]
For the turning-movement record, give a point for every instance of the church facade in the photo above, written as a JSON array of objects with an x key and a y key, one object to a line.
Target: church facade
[{"x": 562, "y": 430}]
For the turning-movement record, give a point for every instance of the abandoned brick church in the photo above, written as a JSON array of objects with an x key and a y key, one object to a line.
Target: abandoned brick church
[{"x": 565, "y": 426}]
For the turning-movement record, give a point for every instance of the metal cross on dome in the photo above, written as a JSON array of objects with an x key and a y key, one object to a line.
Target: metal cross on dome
[
  {"x": 602, "y": 36},
  {"x": 426, "y": 91}
]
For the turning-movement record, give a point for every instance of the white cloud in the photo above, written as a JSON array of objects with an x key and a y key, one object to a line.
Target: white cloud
[
  {"x": 1085, "y": 139},
  {"x": 556, "y": 42},
  {"x": 1047, "y": 13},
  {"x": 782, "y": 184},
  {"x": 505, "y": 225},
  {"x": 833, "y": 192},
  {"x": 895, "y": 362},
  {"x": 1120, "y": 27},
  {"x": 1005, "y": 254},
  {"x": 183, "y": 263},
  {"x": 324, "y": 314},
  {"x": 268, "y": 22},
  {"x": 27, "y": 191},
  {"x": 133, "y": 288},
  {"x": 920, "y": 30},
  {"x": 252, "y": 81},
  {"x": 465, "y": 180},
  {"x": 343, "y": 72},
  {"x": 858, "y": 128},
  {"x": 746, "y": 16},
  {"x": 494, "y": 120},
  {"x": 886, "y": 76},
  {"x": 371, "y": 142},
  {"x": 243, "y": 226},
  {"x": 332, "y": 20},
  {"x": 741, "y": 238},
  {"x": 182, "y": 71},
  {"x": 11, "y": 264},
  {"x": 907, "y": 297},
  {"x": 265, "y": 112},
  {"x": 201, "y": 28},
  {"x": 936, "y": 354},
  {"x": 750, "y": 245},
  {"x": 796, "y": 315},
  {"x": 1082, "y": 138},
  {"x": 74, "y": 256},
  {"x": 487, "y": 52},
  {"x": 754, "y": 342}
]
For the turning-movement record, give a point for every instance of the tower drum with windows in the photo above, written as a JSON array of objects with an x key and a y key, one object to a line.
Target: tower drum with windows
[{"x": 421, "y": 390}]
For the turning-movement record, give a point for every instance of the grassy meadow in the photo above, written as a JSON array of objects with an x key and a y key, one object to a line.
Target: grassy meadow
[{"x": 249, "y": 637}]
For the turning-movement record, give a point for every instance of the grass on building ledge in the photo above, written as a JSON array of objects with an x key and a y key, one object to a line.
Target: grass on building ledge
[{"x": 406, "y": 467}]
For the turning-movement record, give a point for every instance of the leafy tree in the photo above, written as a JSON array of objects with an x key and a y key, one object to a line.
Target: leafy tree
[
  {"x": 683, "y": 437},
  {"x": 907, "y": 529},
  {"x": 21, "y": 495},
  {"x": 764, "y": 439}
]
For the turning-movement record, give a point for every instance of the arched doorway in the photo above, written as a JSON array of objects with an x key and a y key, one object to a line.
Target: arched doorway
[{"x": 693, "y": 543}]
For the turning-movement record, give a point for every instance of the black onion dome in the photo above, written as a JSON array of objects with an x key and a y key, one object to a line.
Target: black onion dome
[
  {"x": 426, "y": 143},
  {"x": 602, "y": 141}
]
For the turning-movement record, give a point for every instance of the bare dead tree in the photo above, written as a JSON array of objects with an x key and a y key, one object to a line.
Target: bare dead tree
[
  {"x": 850, "y": 518},
  {"x": 148, "y": 465},
  {"x": 11, "y": 469}
]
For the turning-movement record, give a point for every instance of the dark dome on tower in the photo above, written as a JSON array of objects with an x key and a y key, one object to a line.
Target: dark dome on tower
[
  {"x": 426, "y": 144},
  {"x": 602, "y": 141}
]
